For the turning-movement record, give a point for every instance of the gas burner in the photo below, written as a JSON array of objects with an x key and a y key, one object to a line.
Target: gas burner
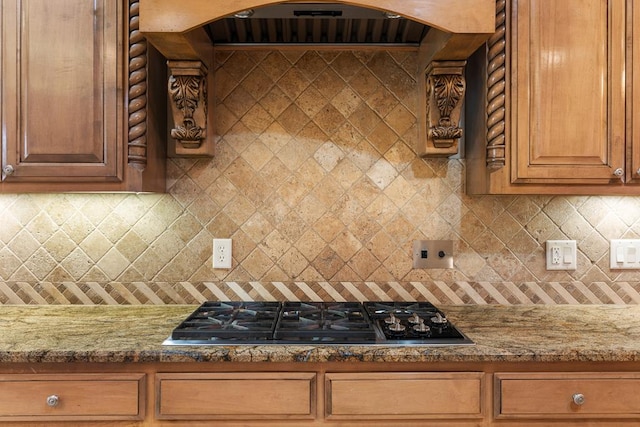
[
  {"x": 391, "y": 319},
  {"x": 395, "y": 329},
  {"x": 412, "y": 321},
  {"x": 421, "y": 328},
  {"x": 439, "y": 320}
]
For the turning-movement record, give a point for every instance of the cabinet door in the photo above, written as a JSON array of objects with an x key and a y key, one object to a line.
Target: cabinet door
[
  {"x": 634, "y": 81},
  {"x": 403, "y": 395},
  {"x": 234, "y": 396},
  {"x": 71, "y": 397},
  {"x": 570, "y": 395},
  {"x": 569, "y": 92},
  {"x": 61, "y": 82}
]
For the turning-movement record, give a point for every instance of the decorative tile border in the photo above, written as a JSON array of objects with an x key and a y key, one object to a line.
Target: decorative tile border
[{"x": 437, "y": 292}]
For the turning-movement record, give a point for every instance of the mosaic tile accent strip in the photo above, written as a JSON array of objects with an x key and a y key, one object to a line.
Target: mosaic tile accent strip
[{"x": 437, "y": 292}]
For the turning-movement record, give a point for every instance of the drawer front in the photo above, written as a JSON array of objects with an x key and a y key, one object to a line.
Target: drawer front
[
  {"x": 72, "y": 397},
  {"x": 403, "y": 395},
  {"x": 570, "y": 395},
  {"x": 257, "y": 395}
]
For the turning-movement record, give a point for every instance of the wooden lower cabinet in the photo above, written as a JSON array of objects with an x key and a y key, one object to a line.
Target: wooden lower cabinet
[
  {"x": 558, "y": 395},
  {"x": 71, "y": 397},
  {"x": 226, "y": 396},
  {"x": 403, "y": 395},
  {"x": 339, "y": 394}
]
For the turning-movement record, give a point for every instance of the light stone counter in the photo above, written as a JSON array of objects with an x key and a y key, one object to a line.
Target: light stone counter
[{"x": 502, "y": 334}]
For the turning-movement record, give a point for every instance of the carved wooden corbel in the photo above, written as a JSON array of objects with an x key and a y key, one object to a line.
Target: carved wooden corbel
[
  {"x": 445, "y": 85},
  {"x": 188, "y": 99}
]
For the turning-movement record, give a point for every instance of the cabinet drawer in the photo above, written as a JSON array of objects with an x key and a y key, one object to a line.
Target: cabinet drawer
[
  {"x": 403, "y": 395},
  {"x": 557, "y": 395},
  {"x": 71, "y": 397},
  {"x": 259, "y": 395}
]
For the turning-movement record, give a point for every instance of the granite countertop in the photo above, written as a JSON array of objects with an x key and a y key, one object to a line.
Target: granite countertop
[{"x": 604, "y": 333}]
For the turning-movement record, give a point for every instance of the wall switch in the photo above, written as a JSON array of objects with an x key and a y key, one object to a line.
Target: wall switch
[
  {"x": 562, "y": 255},
  {"x": 222, "y": 253},
  {"x": 433, "y": 254},
  {"x": 624, "y": 254}
]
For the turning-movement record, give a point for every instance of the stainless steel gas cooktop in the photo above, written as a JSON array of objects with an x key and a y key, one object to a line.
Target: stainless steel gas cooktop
[{"x": 326, "y": 323}]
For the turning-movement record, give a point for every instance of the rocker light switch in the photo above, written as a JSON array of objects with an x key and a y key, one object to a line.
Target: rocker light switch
[
  {"x": 624, "y": 254},
  {"x": 631, "y": 255}
]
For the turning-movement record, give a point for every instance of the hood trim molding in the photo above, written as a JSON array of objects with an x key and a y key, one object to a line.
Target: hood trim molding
[
  {"x": 176, "y": 28},
  {"x": 454, "y": 16}
]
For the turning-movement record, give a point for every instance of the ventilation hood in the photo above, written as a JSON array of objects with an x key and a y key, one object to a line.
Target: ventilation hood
[
  {"x": 444, "y": 32},
  {"x": 316, "y": 24}
]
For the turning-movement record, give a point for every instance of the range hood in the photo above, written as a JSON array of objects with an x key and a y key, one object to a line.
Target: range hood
[
  {"x": 444, "y": 32},
  {"x": 316, "y": 24}
]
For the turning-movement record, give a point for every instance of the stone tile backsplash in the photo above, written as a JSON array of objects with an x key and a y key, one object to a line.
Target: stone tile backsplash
[{"x": 315, "y": 179}]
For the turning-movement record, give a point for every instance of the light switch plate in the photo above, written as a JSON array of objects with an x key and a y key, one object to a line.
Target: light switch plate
[
  {"x": 624, "y": 254},
  {"x": 562, "y": 255},
  {"x": 432, "y": 254}
]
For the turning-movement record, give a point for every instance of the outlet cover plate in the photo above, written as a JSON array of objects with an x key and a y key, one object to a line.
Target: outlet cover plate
[
  {"x": 562, "y": 255},
  {"x": 222, "y": 253},
  {"x": 432, "y": 254}
]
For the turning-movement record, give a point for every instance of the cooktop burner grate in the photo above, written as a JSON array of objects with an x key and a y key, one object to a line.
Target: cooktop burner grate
[
  {"x": 230, "y": 320},
  {"x": 319, "y": 321},
  {"x": 383, "y": 323}
]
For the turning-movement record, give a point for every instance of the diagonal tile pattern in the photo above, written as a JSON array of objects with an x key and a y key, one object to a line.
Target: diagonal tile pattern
[{"x": 316, "y": 181}]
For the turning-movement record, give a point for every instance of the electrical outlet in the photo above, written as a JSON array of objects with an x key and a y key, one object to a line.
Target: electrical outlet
[
  {"x": 222, "y": 253},
  {"x": 562, "y": 255},
  {"x": 556, "y": 255}
]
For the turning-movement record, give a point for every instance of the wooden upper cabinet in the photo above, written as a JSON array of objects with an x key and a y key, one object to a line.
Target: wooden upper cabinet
[
  {"x": 64, "y": 87},
  {"x": 633, "y": 103},
  {"x": 569, "y": 99},
  {"x": 64, "y": 93},
  {"x": 554, "y": 85}
]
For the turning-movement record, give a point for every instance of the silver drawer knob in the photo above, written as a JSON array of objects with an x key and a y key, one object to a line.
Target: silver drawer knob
[
  {"x": 8, "y": 170},
  {"x": 638, "y": 171},
  {"x": 618, "y": 172},
  {"x": 53, "y": 400},
  {"x": 578, "y": 399}
]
